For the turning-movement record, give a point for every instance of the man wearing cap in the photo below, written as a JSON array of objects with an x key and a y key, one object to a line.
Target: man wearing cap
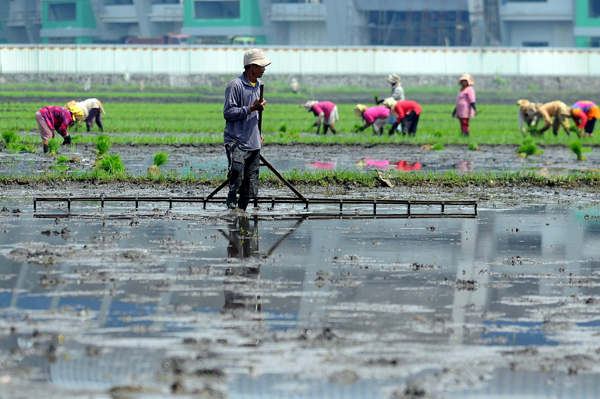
[{"x": 242, "y": 138}]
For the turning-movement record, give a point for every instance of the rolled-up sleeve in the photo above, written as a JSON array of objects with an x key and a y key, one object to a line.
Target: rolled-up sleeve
[{"x": 232, "y": 110}]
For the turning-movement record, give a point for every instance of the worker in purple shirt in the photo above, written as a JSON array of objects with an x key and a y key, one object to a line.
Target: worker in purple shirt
[{"x": 242, "y": 138}]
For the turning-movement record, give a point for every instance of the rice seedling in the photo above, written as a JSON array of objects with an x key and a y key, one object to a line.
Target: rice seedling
[
  {"x": 283, "y": 128},
  {"x": 578, "y": 149},
  {"x": 62, "y": 159},
  {"x": 9, "y": 137},
  {"x": 529, "y": 148},
  {"x": 102, "y": 145},
  {"x": 111, "y": 164},
  {"x": 438, "y": 147},
  {"x": 53, "y": 146},
  {"x": 474, "y": 147},
  {"x": 160, "y": 158}
]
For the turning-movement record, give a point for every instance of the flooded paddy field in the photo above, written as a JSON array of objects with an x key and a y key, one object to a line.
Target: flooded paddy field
[
  {"x": 206, "y": 303},
  {"x": 210, "y": 159}
]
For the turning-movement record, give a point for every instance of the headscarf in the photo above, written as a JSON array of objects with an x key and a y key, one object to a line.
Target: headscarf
[
  {"x": 524, "y": 104},
  {"x": 309, "y": 104},
  {"x": 75, "y": 110},
  {"x": 468, "y": 78},
  {"x": 393, "y": 79},
  {"x": 359, "y": 109},
  {"x": 390, "y": 102}
]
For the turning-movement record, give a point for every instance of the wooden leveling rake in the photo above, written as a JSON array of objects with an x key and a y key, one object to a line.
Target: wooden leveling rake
[{"x": 399, "y": 208}]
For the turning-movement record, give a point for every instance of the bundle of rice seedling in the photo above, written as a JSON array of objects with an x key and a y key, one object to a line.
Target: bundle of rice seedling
[
  {"x": 529, "y": 148},
  {"x": 160, "y": 158},
  {"x": 579, "y": 149},
  {"x": 102, "y": 145},
  {"x": 111, "y": 164},
  {"x": 53, "y": 146}
]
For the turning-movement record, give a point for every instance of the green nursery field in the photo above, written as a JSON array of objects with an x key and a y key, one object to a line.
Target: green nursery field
[{"x": 197, "y": 123}]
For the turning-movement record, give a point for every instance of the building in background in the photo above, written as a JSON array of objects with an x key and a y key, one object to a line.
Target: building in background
[
  {"x": 551, "y": 23},
  {"x": 535, "y": 23},
  {"x": 587, "y": 23}
]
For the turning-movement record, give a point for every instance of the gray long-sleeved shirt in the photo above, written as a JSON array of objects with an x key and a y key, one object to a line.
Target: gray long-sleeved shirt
[
  {"x": 398, "y": 93},
  {"x": 241, "y": 125}
]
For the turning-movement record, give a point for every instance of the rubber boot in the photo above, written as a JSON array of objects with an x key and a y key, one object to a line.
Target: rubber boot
[
  {"x": 231, "y": 200},
  {"x": 66, "y": 140},
  {"x": 333, "y": 129},
  {"x": 325, "y": 129},
  {"x": 465, "y": 133},
  {"x": 46, "y": 148}
]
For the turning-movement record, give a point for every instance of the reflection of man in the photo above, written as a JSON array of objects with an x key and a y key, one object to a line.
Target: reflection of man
[{"x": 243, "y": 246}]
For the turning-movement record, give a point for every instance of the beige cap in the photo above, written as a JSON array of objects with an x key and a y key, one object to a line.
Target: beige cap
[{"x": 256, "y": 57}]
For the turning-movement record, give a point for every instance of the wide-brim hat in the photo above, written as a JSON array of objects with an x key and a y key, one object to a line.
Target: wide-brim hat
[{"x": 256, "y": 57}]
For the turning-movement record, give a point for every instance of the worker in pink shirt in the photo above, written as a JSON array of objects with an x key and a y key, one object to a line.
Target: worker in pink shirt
[
  {"x": 406, "y": 112},
  {"x": 376, "y": 116},
  {"x": 465, "y": 103},
  {"x": 326, "y": 113}
]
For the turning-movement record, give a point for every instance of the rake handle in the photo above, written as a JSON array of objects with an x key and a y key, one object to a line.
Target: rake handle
[{"x": 262, "y": 95}]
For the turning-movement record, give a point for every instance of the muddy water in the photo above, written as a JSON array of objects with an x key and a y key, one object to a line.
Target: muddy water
[
  {"x": 228, "y": 305},
  {"x": 210, "y": 160}
]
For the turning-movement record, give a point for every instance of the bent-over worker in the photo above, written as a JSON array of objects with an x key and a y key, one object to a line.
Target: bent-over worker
[
  {"x": 326, "y": 113},
  {"x": 528, "y": 114},
  {"x": 57, "y": 118},
  {"x": 584, "y": 114},
  {"x": 406, "y": 112},
  {"x": 561, "y": 114},
  {"x": 375, "y": 116},
  {"x": 92, "y": 110}
]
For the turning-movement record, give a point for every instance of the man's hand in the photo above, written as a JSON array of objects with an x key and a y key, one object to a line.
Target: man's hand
[
  {"x": 258, "y": 105},
  {"x": 262, "y": 140}
]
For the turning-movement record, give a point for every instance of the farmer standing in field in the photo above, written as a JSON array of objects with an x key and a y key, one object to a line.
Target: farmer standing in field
[
  {"x": 92, "y": 110},
  {"x": 57, "y": 118},
  {"x": 376, "y": 116},
  {"x": 561, "y": 113},
  {"x": 242, "y": 138},
  {"x": 465, "y": 103},
  {"x": 585, "y": 113},
  {"x": 326, "y": 113},
  {"x": 405, "y": 112}
]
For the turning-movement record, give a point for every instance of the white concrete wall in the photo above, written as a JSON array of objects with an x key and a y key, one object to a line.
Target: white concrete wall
[{"x": 326, "y": 61}]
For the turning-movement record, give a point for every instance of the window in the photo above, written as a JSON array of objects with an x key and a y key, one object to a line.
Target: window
[
  {"x": 594, "y": 9},
  {"x": 594, "y": 41},
  {"x": 528, "y": 1},
  {"x": 62, "y": 12},
  {"x": 535, "y": 44},
  {"x": 217, "y": 9}
]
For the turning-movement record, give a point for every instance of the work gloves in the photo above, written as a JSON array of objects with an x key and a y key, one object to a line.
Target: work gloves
[{"x": 66, "y": 140}]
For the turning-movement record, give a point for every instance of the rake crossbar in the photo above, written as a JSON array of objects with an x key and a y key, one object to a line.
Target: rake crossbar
[{"x": 273, "y": 200}]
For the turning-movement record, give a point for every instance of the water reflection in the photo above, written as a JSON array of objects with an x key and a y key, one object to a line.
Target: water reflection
[{"x": 509, "y": 278}]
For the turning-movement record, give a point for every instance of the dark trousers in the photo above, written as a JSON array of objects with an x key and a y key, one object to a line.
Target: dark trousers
[
  {"x": 409, "y": 124},
  {"x": 97, "y": 115},
  {"x": 242, "y": 175},
  {"x": 589, "y": 126}
]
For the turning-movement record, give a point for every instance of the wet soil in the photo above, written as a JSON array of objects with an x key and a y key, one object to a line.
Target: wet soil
[{"x": 191, "y": 303}]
